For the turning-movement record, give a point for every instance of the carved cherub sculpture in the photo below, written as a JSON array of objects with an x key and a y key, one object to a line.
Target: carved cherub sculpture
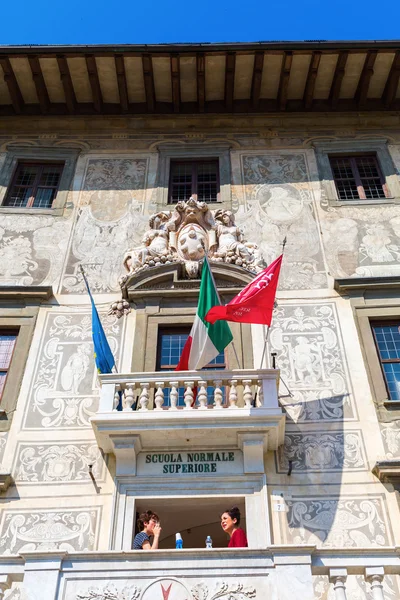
[
  {"x": 231, "y": 246},
  {"x": 154, "y": 246}
]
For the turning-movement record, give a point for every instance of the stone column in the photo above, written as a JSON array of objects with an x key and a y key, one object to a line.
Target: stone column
[
  {"x": 338, "y": 578},
  {"x": 375, "y": 575}
]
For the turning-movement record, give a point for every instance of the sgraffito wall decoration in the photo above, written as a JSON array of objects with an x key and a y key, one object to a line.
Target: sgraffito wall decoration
[{"x": 112, "y": 216}]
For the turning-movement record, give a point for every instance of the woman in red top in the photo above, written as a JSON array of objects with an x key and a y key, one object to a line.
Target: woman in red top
[{"x": 230, "y": 521}]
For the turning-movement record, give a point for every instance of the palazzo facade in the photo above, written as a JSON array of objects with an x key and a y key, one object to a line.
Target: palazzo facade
[{"x": 131, "y": 162}]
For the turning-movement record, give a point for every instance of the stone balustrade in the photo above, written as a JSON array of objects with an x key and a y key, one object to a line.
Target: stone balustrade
[
  {"x": 190, "y": 390},
  {"x": 156, "y": 405}
]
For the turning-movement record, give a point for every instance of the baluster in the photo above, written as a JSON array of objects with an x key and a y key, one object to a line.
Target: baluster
[
  {"x": 218, "y": 396},
  {"x": 116, "y": 398},
  {"x": 128, "y": 398},
  {"x": 233, "y": 397},
  {"x": 188, "y": 395},
  {"x": 173, "y": 394},
  {"x": 375, "y": 575},
  {"x": 247, "y": 393},
  {"x": 338, "y": 578},
  {"x": 144, "y": 396},
  {"x": 260, "y": 396},
  {"x": 159, "y": 397},
  {"x": 202, "y": 395}
]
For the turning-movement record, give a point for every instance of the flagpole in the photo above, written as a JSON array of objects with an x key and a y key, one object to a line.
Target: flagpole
[
  {"x": 216, "y": 289},
  {"x": 267, "y": 334}
]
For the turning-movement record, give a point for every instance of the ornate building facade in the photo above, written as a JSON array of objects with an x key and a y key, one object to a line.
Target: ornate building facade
[{"x": 133, "y": 162}]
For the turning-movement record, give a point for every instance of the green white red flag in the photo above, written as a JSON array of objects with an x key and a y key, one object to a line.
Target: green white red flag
[
  {"x": 255, "y": 303},
  {"x": 205, "y": 340}
]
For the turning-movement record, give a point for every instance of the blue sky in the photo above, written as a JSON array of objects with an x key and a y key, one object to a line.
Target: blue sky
[{"x": 158, "y": 21}]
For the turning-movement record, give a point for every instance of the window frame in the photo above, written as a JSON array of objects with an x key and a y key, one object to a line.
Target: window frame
[
  {"x": 325, "y": 150},
  {"x": 15, "y": 156},
  {"x": 170, "y": 152},
  {"x": 385, "y": 323},
  {"x": 4, "y": 331},
  {"x": 194, "y": 177},
  {"x": 357, "y": 177},
  {"x": 30, "y": 163},
  {"x": 19, "y": 309},
  {"x": 374, "y": 300}
]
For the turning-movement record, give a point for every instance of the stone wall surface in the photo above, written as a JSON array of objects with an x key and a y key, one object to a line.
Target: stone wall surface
[{"x": 333, "y": 436}]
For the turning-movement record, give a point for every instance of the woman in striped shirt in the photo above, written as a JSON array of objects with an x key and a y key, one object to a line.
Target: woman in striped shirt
[{"x": 149, "y": 526}]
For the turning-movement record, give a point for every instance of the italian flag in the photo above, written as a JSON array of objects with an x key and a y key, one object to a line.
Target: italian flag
[{"x": 205, "y": 341}]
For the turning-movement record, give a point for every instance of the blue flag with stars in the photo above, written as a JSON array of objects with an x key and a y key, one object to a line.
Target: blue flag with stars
[{"x": 102, "y": 352}]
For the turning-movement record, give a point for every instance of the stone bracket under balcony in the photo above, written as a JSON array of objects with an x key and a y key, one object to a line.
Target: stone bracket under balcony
[{"x": 235, "y": 409}]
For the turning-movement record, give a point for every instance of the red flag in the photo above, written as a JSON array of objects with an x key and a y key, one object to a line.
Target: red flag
[{"x": 255, "y": 303}]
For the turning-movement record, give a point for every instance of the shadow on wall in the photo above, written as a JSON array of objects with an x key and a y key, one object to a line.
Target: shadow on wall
[{"x": 318, "y": 456}]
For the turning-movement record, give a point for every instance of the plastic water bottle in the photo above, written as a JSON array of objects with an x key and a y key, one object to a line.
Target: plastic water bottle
[
  {"x": 178, "y": 541},
  {"x": 208, "y": 542}
]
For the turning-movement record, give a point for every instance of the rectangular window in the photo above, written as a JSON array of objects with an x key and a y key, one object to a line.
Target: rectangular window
[
  {"x": 358, "y": 178},
  {"x": 170, "y": 345},
  {"x": 7, "y": 345},
  {"x": 34, "y": 185},
  {"x": 198, "y": 178},
  {"x": 387, "y": 339}
]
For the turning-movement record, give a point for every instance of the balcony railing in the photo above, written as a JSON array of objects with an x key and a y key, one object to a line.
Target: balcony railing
[
  {"x": 164, "y": 404},
  {"x": 235, "y": 389}
]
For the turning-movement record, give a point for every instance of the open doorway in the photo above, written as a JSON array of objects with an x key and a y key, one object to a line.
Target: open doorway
[{"x": 193, "y": 518}]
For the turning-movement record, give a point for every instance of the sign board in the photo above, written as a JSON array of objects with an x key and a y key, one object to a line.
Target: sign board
[{"x": 216, "y": 462}]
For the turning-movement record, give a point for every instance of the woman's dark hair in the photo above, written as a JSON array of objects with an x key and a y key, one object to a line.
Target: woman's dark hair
[
  {"x": 146, "y": 517},
  {"x": 234, "y": 513}
]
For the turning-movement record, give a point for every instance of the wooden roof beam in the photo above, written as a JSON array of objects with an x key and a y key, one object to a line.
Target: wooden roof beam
[
  {"x": 12, "y": 84},
  {"x": 40, "y": 84},
  {"x": 201, "y": 81},
  {"x": 149, "y": 82},
  {"x": 122, "y": 85},
  {"x": 361, "y": 94},
  {"x": 311, "y": 79},
  {"x": 256, "y": 81},
  {"x": 284, "y": 80},
  {"x": 67, "y": 84},
  {"x": 389, "y": 93},
  {"x": 94, "y": 82},
  {"x": 229, "y": 79},
  {"x": 176, "y": 82},
  {"x": 338, "y": 78}
]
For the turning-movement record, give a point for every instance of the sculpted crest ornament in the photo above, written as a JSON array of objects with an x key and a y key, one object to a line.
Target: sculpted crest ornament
[{"x": 184, "y": 236}]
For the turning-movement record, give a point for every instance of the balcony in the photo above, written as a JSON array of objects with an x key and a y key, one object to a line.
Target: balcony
[{"x": 203, "y": 409}]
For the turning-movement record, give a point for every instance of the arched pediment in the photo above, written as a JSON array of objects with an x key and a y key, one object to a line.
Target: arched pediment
[{"x": 171, "y": 284}]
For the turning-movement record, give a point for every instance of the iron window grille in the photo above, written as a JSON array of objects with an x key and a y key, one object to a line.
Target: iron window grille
[
  {"x": 197, "y": 178},
  {"x": 387, "y": 340},
  {"x": 358, "y": 177},
  {"x": 7, "y": 345},
  {"x": 34, "y": 185}
]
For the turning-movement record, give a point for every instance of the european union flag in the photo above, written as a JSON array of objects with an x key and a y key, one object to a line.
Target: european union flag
[{"x": 102, "y": 352}]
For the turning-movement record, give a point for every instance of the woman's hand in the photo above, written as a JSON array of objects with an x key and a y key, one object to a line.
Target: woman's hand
[{"x": 157, "y": 530}]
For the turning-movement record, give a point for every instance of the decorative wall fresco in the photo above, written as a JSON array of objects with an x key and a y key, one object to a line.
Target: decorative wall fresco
[
  {"x": 333, "y": 522},
  {"x": 111, "y": 218},
  {"x": 49, "y": 530},
  {"x": 52, "y": 462},
  {"x": 32, "y": 249},
  {"x": 307, "y": 340},
  {"x": 64, "y": 392},
  {"x": 278, "y": 203},
  {"x": 362, "y": 241},
  {"x": 322, "y": 451}
]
